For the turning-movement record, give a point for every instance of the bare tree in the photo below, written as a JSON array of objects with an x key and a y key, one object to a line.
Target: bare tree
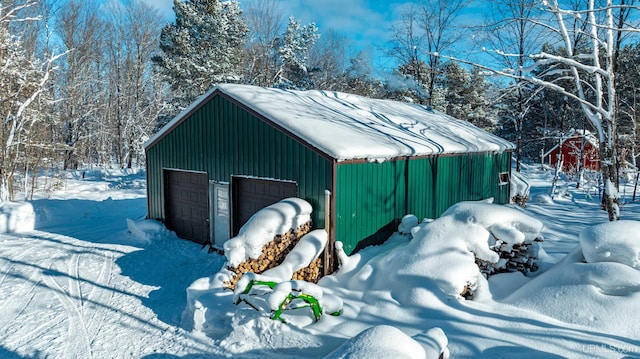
[
  {"x": 23, "y": 80},
  {"x": 425, "y": 30},
  {"x": 81, "y": 30},
  {"x": 131, "y": 105},
  {"x": 591, "y": 69},
  {"x": 513, "y": 31},
  {"x": 406, "y": 37},
  {"x": 437, "y": 18},
  {"x": 328, "y": 61},
  {"x": 266, "y": 25}
]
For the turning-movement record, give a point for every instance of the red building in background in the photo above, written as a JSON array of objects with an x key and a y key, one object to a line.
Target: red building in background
[{"x": 568, "y": 150}]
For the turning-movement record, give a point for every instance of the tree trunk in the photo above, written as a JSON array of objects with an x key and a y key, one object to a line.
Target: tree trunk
[
  {"x": 610, "y": 199},
  {"x": 4, "y": 187},
  {"x": 519, "y": 151},
  {"x": 70, "y": 160}
]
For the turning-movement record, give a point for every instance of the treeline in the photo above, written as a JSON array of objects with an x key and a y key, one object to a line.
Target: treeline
[
  {"x": 84, "y": 83},
  {"x": 77, "y": 86}
]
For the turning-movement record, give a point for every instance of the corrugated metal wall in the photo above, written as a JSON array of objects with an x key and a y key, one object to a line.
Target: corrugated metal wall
[
  {"x": 223, "y": 139},
  {"x": 369, "y": 197},
  {"x": 372, "y": 197}
]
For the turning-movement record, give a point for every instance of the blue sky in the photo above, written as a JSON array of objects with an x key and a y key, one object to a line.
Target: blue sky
[
  {"x": 360, "y": 19},
  {"x": 365, "y": 22}
]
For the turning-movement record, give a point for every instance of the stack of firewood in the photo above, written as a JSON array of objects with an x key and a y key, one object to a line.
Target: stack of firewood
[
  {"x": 273, "y": 253},
  {"x": 310, "y": 273},
  {"x": 517, "y": 258}
]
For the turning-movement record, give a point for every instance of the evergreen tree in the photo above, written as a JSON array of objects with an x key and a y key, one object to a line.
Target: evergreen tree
[
  {"x": 465, "y": 96},
  {"x": 202, "y": 48},
  {"x": 294, "y": 54}
]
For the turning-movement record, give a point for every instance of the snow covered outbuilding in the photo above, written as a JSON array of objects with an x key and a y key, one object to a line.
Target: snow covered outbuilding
[
  {"x": 239, "y": 148},
  {"x": 568, "y": 150}
]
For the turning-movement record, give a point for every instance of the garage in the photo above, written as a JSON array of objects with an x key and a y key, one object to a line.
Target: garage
[
  {"x": 251, "y": 194},
  {"x": 187, "y": 204},
  {"x": 361, "y": 163}
]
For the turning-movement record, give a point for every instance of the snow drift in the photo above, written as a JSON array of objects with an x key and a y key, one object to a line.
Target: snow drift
[
  {"x": 617, "y": 241},
  {"x": 384, "y": 341},
  {"x": 444, "y": 251},
  {"x": 17, "y": 217},
  {"x": 595, "y": 285}
]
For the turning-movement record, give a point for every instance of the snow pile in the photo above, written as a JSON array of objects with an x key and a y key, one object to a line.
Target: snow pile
[
  {"x": 262, "y": 227},
  {"x": 306, "y": 250},
  {"x": 252, "y": 335},
  {"x": 17, "y": 217},
  {"x": 466, "y": 232},
  {"x": 328, "y": 303},
  {"x": 543, "y": 198},
  {"x": 407, "y": 223},
  {"x": 600, "y": 295},
  {"x": 146, "y": 231},
  {"x": 443, "y": 252},
  {"x": 384, "y": 341},
  {"x": 136, "y": 231},
  {"x": 520, "y": 188},
  {"x": 617, "y": 241}
]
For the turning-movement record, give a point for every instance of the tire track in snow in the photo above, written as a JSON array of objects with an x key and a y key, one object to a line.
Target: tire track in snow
[
  {"x": 102, "y": 296},
  {"x": 84, "y": 303},
  {"x": 73, "y": 282},
  {"x": 77, "y": 343}
]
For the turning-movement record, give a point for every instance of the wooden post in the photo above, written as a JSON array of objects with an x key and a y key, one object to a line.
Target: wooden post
[
  {"x": 328, "y": 249},
  {"x": 327, "y": 211}
]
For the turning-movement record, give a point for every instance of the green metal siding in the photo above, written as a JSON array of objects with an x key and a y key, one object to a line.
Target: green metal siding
[
  {"x": 369, "y": 197},
  {"x": 439, "y": 182},
  {"x": 223, "y": 139},
  {"x": 372, "y": 197}
]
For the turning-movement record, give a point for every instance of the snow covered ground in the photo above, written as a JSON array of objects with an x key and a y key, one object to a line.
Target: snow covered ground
[{"x": 88, "y": 283}]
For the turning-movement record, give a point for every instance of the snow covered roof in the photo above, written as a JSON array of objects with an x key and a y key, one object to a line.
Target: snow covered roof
[{"x": 345, "y": 126}]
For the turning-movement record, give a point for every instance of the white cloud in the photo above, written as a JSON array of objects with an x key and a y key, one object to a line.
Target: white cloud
[
  {"x": 364, "y": 22},
  {"x": 165, "y": 7}
]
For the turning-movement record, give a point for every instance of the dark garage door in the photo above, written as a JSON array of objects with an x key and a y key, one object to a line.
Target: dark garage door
[
  {"x": 187, "y": 204},
  {"x": 252, "y": 194}
]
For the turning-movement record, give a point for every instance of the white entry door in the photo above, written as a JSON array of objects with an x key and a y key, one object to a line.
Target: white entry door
[{"x": 220, "y": 213}]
